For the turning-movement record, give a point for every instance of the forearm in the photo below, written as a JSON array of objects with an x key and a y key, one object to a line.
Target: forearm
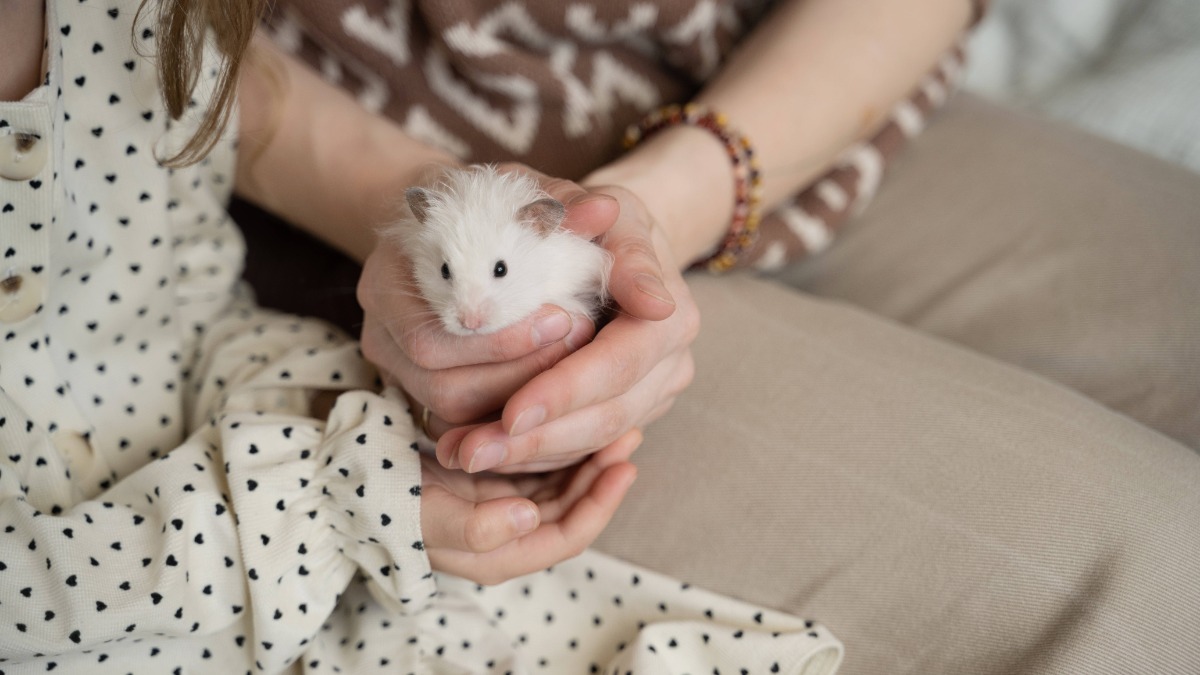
[
  {"x": 812, "y": 79},
  {"x": 310, "y": 154}
]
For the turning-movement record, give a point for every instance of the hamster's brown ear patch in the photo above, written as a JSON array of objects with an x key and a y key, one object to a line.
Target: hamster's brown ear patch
[
  {"x": 418, "y": 200},
  {"x": 545, "y": 214}
]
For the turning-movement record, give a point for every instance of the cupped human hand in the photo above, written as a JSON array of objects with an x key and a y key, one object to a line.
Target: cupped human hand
[
  {"x": 490, "y": 528},
  {"x": 463, "y": 379},
  {"x": 626, "y": 377}
]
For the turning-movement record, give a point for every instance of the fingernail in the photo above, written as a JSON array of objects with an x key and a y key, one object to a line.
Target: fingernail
[
  {"x": 487, "y": 456},
  {"x": 581, "y": 333},
  {"x": 451, "y": 453},
  {"x": 529, "y": 419},
  {"x": 523, "y": 517},
  {"x": 447, "y": 458},
  {"x": 587, "y": 197},
  {"x": 551, "y": 329},
  {"x": 653, "y": 287}
]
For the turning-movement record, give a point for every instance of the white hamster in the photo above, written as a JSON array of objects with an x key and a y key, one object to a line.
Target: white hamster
[{"x": 488, "y": 248}]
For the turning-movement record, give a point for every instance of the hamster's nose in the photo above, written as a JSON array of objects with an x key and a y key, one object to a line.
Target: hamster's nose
[{"x": 471, "y": 319}]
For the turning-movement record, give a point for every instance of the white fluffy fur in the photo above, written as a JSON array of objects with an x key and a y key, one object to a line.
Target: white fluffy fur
[{"x": 471, "y": 223}]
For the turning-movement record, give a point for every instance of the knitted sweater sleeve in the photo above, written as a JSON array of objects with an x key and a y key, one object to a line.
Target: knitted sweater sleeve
[
  {"x": 810, "y": 220},
  {"x": 564, "y": 114}
]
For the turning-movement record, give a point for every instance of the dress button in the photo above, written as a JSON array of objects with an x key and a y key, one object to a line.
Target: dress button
[
  {"x": 75, "y": 447},
  {"x": 22, "y": 156},
  {"x": 20, "y": 295}
]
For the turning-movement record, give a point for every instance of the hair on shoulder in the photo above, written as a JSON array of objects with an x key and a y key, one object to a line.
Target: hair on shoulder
[{"x": 182, "y": 29}]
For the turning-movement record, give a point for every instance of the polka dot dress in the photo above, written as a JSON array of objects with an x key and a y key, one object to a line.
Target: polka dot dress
[{"x": 166, "y": 504}]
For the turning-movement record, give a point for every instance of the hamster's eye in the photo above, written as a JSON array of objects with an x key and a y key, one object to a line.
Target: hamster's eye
[
  {"x": 500, "y": 270},
  {"x": 445, "y": 270}
]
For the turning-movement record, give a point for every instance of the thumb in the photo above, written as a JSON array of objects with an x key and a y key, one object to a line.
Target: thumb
[
  {"x": 451, "y": 522},
  {"x": 636, "y": 280},
  {"x": 591, "y": 214}
]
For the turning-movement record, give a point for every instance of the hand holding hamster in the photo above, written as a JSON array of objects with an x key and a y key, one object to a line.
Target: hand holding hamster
[
  {"x": 489, "y": 248},
  {"x": 627, "y": 376},
  {"x": 464, "y": 378}
]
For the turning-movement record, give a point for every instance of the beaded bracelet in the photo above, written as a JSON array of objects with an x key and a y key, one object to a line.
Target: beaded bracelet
[{"x": 743, "y": 227}]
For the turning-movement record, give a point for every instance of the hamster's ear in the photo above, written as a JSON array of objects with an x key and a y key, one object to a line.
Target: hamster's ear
[
  {"x": 545, "y": 214},
  {"x": 418, "y": 200}
]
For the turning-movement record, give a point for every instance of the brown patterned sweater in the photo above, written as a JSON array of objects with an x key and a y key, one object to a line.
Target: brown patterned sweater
[{"x": 554, "y": 85}]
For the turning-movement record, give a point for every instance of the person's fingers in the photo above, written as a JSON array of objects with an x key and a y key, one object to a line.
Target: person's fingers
[
  {"x": 591, "y": 215},
  {"x": 642, "y": 281},
  {"x": 619, "y": 451},
  {"x": 551, "y": 463},
  {"x": 378, "y": 345},
  {"x": 617, "y": 359},
  {"x": 448, "y": 443},
  {"x": 590, "y": 428},
  {"x": 449, "y": 521},
  {"x": 429, "y": 346},
  {"x": 636, "y": 282},
  {"x": 387, "y": 291},
  {"x": 558, "y": 461},
  {"x": 550, "y": 543},
  {"x": 564, "y": 432},
  {"x": 466, "y": 393},
  {"x": 581, "y": 524},
  {"x": 436, "y": 427},
  {"x": 488, "y": 446}
]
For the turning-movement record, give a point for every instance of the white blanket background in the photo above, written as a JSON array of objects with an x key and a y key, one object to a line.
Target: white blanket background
[{"x": 1125, "y": 69}]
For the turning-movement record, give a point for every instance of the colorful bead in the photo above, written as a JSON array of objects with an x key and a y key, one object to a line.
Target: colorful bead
[{"x": 743, "y": 227}]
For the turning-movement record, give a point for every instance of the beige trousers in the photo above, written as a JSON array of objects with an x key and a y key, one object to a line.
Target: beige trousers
[{"x": 959, "y": 437}]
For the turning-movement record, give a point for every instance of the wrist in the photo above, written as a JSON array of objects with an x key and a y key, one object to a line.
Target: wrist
[{"x": 684, "y": 178}]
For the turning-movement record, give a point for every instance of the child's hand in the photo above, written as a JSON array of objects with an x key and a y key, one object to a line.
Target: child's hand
[{"x": 472, "y": 523}]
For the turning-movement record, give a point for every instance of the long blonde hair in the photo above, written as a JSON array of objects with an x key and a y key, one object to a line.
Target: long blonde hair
[{"x": 182, "y": 29}]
